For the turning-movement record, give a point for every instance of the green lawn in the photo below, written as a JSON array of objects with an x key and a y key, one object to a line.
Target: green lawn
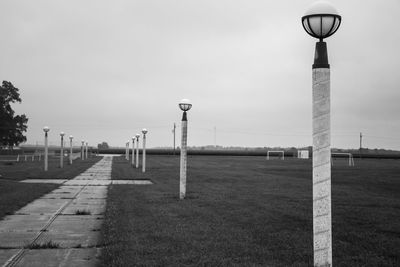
[
  {"x": 14, "y": 195},
  {"x": 246, "y": 211}
]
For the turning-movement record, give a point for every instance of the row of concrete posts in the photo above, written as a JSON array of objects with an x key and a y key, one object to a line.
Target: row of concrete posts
[
  {"x": 135, "y": 162},
  {"x": 84, "y": 149}
]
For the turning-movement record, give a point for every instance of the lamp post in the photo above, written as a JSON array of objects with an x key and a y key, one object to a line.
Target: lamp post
[
  {"x": 46, "y": 129},
  {"x": 70, "y": 147},
  {"x": 133, "y": 151},
  {"x": 82, "y": 153},
  {"x": 86, "y": 150},
  {"x": 126, "y": 150},
  {"x": 321, "y": 21},
  {"x": 184, "y": 105},
  {"x": 144, "y": 131},
  {"x": 137, "y": 150},
  {"x": 62, "y": 150}
]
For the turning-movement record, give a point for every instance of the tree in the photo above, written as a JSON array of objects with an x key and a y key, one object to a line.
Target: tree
[
  {"x": 103, "y": 145},
  {"x": 12, "y": 126}
]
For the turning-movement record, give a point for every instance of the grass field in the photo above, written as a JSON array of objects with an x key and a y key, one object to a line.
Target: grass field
[
  {"x": 14, "y": 195},
  {"x": 246, "y": 211}
]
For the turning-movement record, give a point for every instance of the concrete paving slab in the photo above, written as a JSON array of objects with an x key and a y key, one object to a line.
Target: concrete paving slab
[
  {"x": 76, "y": 223},
  {"x": 5, "y": 254},
  {"x": 43, "y": 206},
  {"x": 77, "y": 182},
  {"x": 135, "y": 182},
  {"x": 92, "y": 209},
  {"x": 27, "y": 223},
  {"x": 62, "y": 257},
  {"x": 16, "y": 239},
  {"x": 44, "y": 181},
  {"x": 72, "y": 239}
]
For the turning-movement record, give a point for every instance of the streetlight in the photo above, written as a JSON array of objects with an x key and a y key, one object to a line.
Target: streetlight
[
  {"x": 184, "y": 105},
  {"x": 86, "y": 150},
  {"x": 133, "y": 150},
  {"x": 137, "y": 150},
  {"x": 70, "y": 152},
  {"x": 62, "y": 150},
  {"x": 46, "y": 129},
  {"x": 144, "y": 131},
  {"x": 321, "y": 21},
  {"x": 82, "y": 152},
  {"x": 127, "y": 150}
]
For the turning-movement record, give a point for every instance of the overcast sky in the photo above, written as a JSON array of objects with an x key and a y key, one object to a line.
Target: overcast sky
[{"x": 103, "y": 70}]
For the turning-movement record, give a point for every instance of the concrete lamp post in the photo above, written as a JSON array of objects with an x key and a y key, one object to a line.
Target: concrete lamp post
[
  {"x": 137, "y": 150},
  {"x": 62, "y": 150},
  {"x": 144, "y": 131},
  {"x": 46, "y": 129},
  {"x": 82, "y": 152},
  {"x": 184, "y": 105},
  {"x": 70, "y": 149},
  {"x": 133, "y": 151},
  {"x": 127, "y": 150},
  {"x": 321, "y": 21}
]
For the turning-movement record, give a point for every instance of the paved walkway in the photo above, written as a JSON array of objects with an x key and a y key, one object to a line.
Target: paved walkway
[{"x": 68, "y": 218}]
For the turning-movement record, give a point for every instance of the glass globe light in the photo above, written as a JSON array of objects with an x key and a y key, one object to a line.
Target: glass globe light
[
  {"x": 321, "y": 20},
  {"x": 185, "y": 104}
]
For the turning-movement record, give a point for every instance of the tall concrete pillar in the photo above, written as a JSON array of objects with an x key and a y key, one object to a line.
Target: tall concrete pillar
[
  {"x": 137, "y": 151},
  {"x": 144, "y": 151},
  {"x": 183, "y": 163},
  {"x": 322, "y": 214},
  {"x": 46, "y": 152},
  {"x": 62, "y": 151},
  {"x": 70, "y": 147},
  {"x": 133, "y": 151}
]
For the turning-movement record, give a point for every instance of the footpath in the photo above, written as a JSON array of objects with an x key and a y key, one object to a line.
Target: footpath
[{"x": 62, "y": 228}]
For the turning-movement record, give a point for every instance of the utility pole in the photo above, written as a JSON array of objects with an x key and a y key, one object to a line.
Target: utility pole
[{"x": 173, "y": 131}]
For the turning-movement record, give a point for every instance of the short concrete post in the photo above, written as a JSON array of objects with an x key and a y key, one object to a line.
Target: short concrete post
[
  {"x": 322, "y": 215},
  {"x": 183, "y": 163},
  {"x": 137, "y": 150}
]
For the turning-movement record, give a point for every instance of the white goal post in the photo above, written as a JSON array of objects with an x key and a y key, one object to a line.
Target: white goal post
[
  {"x": 351, "y": 159},
  {"x": 275, "y": 152}
]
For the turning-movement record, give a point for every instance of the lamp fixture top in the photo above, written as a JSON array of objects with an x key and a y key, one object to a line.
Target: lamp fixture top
[
  {"x": 321, "y": 20},
  {"x": 185, "y": 104}
]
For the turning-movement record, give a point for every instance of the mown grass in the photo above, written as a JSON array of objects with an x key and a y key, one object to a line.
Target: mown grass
[
  {"x": 246, "y": 211},
  {"x": 14, "y": 195},
  {"x": 35, "y": 169}
]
